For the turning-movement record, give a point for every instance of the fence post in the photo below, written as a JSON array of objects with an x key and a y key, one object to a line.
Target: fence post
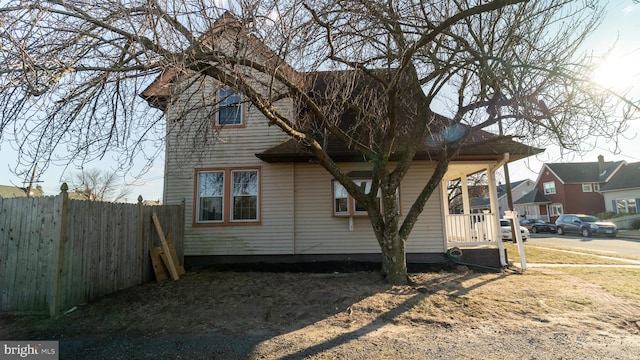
[
  {"x": 58, "y": 254},
  {"x": 140, "y": 241}
]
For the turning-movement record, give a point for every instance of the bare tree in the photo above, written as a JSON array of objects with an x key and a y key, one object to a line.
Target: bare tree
[
  {"x": 98, "y": 185},
  {"x": 70, "y": 72}
]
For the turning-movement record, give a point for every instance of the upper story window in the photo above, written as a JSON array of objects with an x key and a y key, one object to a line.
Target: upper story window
[
  {"x": 229, "y": 112},
  {"x": 226, "y": 196},
  {"x": 549, "y": 187},
  {"x": 587, "y": 188},
  {"x": 596, "y": 187}
]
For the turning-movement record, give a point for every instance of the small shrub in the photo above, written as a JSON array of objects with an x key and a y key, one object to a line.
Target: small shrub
[
  {"x": 606, "y": 215},
  {"x": 635, "y": 224}
]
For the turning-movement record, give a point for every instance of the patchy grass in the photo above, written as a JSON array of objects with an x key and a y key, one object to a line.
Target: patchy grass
[
  {"x": 618, "y": 281},
  {"x": 348, "y": 315},
  {"x": 545, "y": 255}
]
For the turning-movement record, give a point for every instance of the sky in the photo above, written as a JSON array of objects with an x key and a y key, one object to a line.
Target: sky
[{"x": 620, "y": 26}]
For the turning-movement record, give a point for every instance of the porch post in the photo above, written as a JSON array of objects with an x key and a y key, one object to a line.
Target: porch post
[
  {"x": 446, "y": 213},
  {"x": 493, "y": 200},
  {"x": 466, "y": 207}
]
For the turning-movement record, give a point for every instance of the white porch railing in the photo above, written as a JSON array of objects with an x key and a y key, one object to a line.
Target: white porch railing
[{"x": 471, "y": 229}]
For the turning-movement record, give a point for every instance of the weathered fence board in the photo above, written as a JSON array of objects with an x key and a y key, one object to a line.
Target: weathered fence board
[{"x": 56, "y": 253}]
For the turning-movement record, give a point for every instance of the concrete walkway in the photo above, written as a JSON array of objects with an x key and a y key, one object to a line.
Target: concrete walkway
[{"x": 629, "y": 234}]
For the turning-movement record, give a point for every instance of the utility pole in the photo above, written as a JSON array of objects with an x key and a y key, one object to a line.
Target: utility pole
[
  {"x": 33, "y": 176},
  {"x": 508, "y": 187}
]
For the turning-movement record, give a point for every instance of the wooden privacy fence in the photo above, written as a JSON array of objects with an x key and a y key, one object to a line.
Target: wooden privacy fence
[{"x": 56, "y": 253}]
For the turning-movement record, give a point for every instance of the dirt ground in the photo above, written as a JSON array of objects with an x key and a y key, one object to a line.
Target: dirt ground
[{"x": 541, "y": 314}]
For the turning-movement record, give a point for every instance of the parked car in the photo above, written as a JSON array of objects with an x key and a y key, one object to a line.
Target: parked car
[
  {"x": 505, "y": 230},
  {"x": 538, "y": 225},
  {"x": 585, "y": 225}
]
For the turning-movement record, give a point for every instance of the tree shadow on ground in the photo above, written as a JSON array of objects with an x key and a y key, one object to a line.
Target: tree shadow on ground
[{"x": 210, "y": 313}]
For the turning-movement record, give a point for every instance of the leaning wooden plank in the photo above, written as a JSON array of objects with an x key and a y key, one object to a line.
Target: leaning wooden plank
[
  {"x": 158, "y": 267},
  {"x": 165, "y": 248},
  {"x": 174, "y": 253}
]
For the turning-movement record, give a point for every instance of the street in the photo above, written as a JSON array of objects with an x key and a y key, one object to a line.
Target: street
[{"x": 627, "y": 247}]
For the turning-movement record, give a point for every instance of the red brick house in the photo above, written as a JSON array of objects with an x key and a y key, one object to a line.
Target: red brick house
[{"x": 568, "y": 188}]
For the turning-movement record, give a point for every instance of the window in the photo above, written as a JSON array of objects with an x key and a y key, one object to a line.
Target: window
[
  {"x": 556, "y": 209},
  {"x": 210, "y": 196},
  {"x": 596, "y": 187},
  {"x": 549, "y": 187},
  {"x": 229, "y": 108},
  {"x": 626, "y": 206},
  {"x": 340, "y": 199},
  {"x": 245, "y": 195},
  {"x": 345, "y": 205},
  {"x": 227, "y": 196},
  {"x": 586, "y": 188}
]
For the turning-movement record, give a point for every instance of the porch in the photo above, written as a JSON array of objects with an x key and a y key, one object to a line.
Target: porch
[{"x": 466, "y": 229}]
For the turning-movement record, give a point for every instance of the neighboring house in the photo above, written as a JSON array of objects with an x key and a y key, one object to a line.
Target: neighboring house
[
  {"x": 257, "y": 195},
  {"x": 518, "y": 190},
  {"x": 622, "y": 193},
  {"x": 10, "y": 191},
  {"x": 569, "y": 188}
]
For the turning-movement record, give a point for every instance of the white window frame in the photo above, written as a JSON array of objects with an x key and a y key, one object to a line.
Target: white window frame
[
  {"x": 227, "y": 98},
  {"x": 556, "y": 209},
  {"x": 586, "y": 187},
  {"x": 627, "y": 206},
  {"x": 549, "y": 187},
  {"x": 596, "y": 187}
]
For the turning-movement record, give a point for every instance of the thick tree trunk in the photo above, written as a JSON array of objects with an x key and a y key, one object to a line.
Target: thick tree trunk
[{"x": 394, "y": 260}]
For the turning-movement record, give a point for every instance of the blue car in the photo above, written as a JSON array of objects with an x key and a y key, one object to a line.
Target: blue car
[{"x": 585, "y": 225}]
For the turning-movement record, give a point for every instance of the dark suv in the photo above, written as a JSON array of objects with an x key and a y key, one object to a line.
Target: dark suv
[{"x": 585, "y": 225}]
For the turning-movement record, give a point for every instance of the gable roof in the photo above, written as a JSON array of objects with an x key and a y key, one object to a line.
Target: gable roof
[
  {"x": 480, "y": 145},
  {"x": 627, "y": 178},
  {"x": 534, "y": 196},
  {"x": 502, "y": 188},
  {"x": 501, "y": 192},
  {"x": 157, "y": 94},
  {"x": 585, "y": 172}
]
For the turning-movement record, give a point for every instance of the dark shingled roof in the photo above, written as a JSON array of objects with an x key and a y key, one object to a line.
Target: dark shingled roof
[
  {"x": 533, "y": 197},
  {"x": 480, "y": 202},
  {"x": 478, "y": 145},
  {"x": 502, "y": 188},
  {"x": 627, "y": 178},
  {"x": 575, "y": 173}
]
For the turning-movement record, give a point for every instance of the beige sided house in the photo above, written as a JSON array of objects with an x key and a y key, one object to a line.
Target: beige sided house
[{"x": 253, "y": 194}]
